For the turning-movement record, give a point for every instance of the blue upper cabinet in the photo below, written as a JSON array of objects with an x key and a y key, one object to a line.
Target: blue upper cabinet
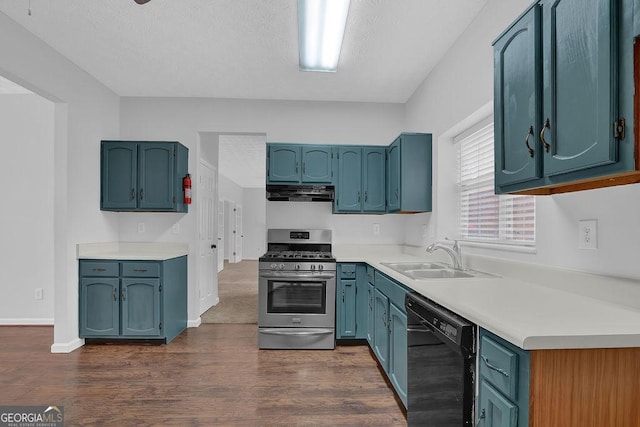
[
  {"x": 299, "y": 164},
  {"x": 409, "y": 177},
  {"x": 349, "y": 194},
  {"x": 580, "y": 96},
  {"x": 316, "y": 164},
  {"x": 156, "y": 176},
  {"x": 373, "y": 179},
  {"x": 564, "y": 98},
  {"x": 119, "y": 176},
  {"x": 143, "y": 176},
  {"x": 516, "y": 101},
  {"x": 361, "y": 179},
  {"x": 283, "y": 163}
]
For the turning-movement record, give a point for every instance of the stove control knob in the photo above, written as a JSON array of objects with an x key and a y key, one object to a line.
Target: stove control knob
[
  {"x": 274, "y": 266},
  {"x": 297, "y": 266},
  {"x": 313, "y": 267},
  {"x": 320, "y": 267}
]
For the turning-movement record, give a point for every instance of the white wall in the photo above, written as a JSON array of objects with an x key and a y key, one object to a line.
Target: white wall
[
  {"x": 85, "y": 112},
  {"x": 460, "y": 86},
  {"x": 26, "y": 247},
  {"x": 254, "y": 223}
]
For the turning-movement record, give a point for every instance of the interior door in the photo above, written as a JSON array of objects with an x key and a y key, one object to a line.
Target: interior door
[
  {"x": 207, "y": 239},
  {"x": 238, "y": 233},
  {"x": 221, "y": 240}
]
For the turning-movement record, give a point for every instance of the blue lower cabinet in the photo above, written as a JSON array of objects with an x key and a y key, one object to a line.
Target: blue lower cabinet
[
  {"x": 141, "y": 307},
  {"x": 495, "y": 409},
  {"x": 398, "y": 351},
  {"x": 370, "y": 313},
  {"x": 381, "y": 329},
  {"x": 346, "y": 309},
  {"x": 141, "y": 299},
  {"x": 503, "y": 373},
  {"x": 99, "y": 306}
]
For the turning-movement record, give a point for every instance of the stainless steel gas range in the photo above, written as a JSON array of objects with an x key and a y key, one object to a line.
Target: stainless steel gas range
[{"x": 297, "y": 291}]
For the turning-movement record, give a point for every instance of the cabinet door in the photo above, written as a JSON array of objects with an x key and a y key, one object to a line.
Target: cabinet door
[
  {"x": 381, "y": 329},
  {"x": 495, "y": 410},
  {"x": 156, "y": 176},
  {"x": 398, "y": 351},
  {"x": 580, "y": 81},
  {"x": 347, "y": 309},
  {"x": 517, "y": 102},
  {"x": 284, "y": 163},
  {"x": 374, "y": 180},
  {"x": 99, "y": 307},
  {"x": 393, "y": 176},
  {"x": 119, "y": 176},
  {"x": 316, "y": 164},
  {"x": 349, "y": 179},
  {"x": 370, "y": 314},
  {"x": 140, "y": 307}
]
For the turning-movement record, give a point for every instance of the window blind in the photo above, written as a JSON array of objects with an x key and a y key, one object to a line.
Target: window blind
[{"x": 485, "y": 216}]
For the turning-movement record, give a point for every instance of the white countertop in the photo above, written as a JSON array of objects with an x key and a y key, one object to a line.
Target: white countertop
[
  {"x": 132, "y": 250},
  {"x": 526, "y": 314}
]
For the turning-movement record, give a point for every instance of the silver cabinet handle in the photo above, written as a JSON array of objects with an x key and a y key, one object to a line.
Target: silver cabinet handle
[
  {"x": 115, "y": 295},
  {"x": 124, "y": 295},
  {"x": 493, "y": 367}
]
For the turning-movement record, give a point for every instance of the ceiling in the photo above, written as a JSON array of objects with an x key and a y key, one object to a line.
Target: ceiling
[
  {"x": 9, "y": 87},
  {"x": 245, "y": 49}
]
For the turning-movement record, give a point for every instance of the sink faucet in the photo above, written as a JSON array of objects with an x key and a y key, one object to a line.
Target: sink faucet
[{"x": 456, "y": 257}]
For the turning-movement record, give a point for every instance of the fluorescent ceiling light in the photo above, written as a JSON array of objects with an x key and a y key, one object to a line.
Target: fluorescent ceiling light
[{"x": 321, "y": 26}]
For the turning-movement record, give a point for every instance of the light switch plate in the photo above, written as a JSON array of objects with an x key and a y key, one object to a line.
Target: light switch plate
[
  {"x": 588, "y": 234},
  {"x": 376, "y": 229},
  {"x": 141, "y": 227}
]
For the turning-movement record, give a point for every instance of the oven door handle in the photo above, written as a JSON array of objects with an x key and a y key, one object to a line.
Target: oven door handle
[
  {"x": 297, "y": 276},
  {"x": 301, "y": 332}
]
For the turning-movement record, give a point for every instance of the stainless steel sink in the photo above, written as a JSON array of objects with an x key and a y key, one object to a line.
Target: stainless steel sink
[
  {"x": 432, "y": 270},
  {"x": 406, "y": 266},
  {"x": 447, "y": 273}
]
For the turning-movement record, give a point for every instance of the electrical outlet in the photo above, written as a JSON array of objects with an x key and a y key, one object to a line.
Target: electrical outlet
[
  {"x": 376, "y": 229},
  {"x": 588, "y": 234},
  {"x": 141, "y": 227},
  {"x": 175, "y": 229},
  {"x": 38, "y": 293}
]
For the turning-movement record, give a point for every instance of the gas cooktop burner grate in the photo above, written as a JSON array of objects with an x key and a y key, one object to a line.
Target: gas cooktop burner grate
[{"x": 298, "y": 255}]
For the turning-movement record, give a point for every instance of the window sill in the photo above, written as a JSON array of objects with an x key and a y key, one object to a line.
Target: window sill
[{"x": 503, "y": 247}]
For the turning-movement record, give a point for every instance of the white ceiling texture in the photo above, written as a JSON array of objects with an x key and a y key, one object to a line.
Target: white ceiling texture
[{"x": 245, "y": 49}]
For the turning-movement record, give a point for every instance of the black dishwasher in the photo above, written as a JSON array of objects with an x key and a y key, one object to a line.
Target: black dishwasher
[{"x": 441, "y": 363}]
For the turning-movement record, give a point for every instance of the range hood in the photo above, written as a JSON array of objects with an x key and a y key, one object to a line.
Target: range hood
[{"x": 300, "y": 193}]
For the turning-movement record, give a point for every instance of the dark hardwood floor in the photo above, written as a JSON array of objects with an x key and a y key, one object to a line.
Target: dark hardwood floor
[{"x": 213, "y": 375}]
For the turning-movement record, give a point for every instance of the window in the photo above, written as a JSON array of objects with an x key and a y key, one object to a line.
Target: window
[{"x": 485, "y": 216}]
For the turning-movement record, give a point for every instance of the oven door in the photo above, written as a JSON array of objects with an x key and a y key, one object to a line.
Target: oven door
[{"x": 297, "y": 299}]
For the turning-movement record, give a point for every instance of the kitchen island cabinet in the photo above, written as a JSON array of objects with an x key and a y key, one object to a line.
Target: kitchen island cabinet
[{"x": 133, "y": 299}]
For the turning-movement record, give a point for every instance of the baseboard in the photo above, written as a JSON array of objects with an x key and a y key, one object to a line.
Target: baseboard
[
  {"x": 26, "y": 322},
  {"x": 194, "y": 323},
  {"x": 67, "y": 347}
]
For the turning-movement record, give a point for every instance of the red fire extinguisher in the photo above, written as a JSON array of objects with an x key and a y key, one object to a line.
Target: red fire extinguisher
[{"x": 186, "y": 187}]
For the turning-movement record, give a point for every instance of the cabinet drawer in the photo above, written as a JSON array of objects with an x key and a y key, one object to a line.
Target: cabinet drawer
[
  {"x": 140, "y": 269},
  {"x": 499, "y": 366},
  {"x": 393, "y": 290},
  {"x": 99, "y": 268},
  {"x": 347, "y": 271},
  {"x": 371, "y": 275}
]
